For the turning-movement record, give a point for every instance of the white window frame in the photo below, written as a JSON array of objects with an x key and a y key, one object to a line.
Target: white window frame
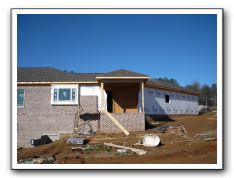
[
  {"x": 23, "y": 99},
  {"x": 67, "y": 86}
]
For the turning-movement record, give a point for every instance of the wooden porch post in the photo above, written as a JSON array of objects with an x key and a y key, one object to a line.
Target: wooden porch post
[
  {"x": 142, "y": 97},
  {"x": 102, "y": 97}
]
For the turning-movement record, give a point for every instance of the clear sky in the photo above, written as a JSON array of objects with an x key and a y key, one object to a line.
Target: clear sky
[{"x": 182, "y": 47}]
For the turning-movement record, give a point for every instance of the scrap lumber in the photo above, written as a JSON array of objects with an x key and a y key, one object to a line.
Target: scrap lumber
[
  {"x": 78, "y": 148},
  {"x": 116, "y": 123},
  {"x": 137, "y": 151}
]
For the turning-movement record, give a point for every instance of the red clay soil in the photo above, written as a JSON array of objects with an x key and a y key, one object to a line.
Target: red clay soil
[{"x": 173, "y": 150}]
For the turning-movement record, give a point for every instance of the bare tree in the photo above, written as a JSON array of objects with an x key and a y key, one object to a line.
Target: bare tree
[
  {"x": 205, "y": 93},
  {"x": 213, "y": 90}
]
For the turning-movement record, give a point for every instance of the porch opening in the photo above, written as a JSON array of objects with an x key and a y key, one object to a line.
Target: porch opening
[{"x": 122, "y": 98}]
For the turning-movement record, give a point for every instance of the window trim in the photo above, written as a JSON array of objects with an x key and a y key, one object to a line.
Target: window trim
[
  {"x": 23, "y": 98},
  {"x": 70, "y": 102}
]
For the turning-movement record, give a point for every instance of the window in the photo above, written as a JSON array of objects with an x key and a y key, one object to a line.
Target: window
[
  {"x": 20, "y": 97},
  {"x": 64, "y": 94},
  {"x": 167, "y": 98}
]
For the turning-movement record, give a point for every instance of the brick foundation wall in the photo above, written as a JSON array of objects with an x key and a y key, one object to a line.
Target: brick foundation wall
[
  {"x": 130, "y": 121},
  {"x": 39, "y": 117}
]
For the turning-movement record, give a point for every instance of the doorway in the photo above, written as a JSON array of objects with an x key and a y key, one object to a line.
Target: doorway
[{"x": 109, "y": 101}]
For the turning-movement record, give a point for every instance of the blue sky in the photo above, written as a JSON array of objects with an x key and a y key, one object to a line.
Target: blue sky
[{"x": 182, "y": 47}]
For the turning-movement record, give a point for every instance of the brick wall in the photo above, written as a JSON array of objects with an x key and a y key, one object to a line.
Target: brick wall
[
  {"x": 130, "y": 121},
  {"x": 39, "y": 117}
]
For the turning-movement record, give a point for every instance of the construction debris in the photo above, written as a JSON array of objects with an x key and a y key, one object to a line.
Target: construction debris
[
  {"x": 207, "y": 136},
  {"x": 75, "y": 141},
  {"x": 93, "y": 151},
  {"x": 45, "y": 139},
  {"x": 139, "y": 143},
  {"x": 40, "y": 160},
  {"x": 26, "y": 161},
  {"x": 78, "y": 148},
  {"x": 137, "y": 151},
  {"x": 151, "y": 140},
  {"x": 122, "y": 152},
  {"x": 176, "y": 130}
]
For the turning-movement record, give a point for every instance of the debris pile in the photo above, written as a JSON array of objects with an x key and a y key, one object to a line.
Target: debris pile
[
  {"x": 207, "y": 136},
  {"x": 40, "y": 160},
  {"x": 121, "y": 152},
  {"x": 75, "y": 141},
  {"x": 45, "y": 139},
  {"x": 176, "y": 130}
]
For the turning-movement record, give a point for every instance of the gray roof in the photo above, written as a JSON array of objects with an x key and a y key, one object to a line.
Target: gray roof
[
  {"x": 122, "y": 73},
  {"x": 49, "y": 74},
  {"x": 164, "y": 84}
]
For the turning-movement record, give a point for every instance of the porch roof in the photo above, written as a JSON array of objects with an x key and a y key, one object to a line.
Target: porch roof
[{"x": 122, "y": 74}]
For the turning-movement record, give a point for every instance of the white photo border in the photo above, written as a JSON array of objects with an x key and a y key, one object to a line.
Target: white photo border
[{"x": 217, "y": 11}]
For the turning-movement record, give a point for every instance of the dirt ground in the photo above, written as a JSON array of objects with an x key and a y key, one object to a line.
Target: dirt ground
[{"x": 174, "y": 149}]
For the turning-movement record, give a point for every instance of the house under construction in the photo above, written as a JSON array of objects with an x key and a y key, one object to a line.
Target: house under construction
[{"x": 51, "y": 101}]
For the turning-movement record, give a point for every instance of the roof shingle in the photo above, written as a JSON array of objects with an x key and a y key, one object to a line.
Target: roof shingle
[
  {"x": 163, "y": 84},
  {"x": 122, "y": 73},
  {"x": 49, "y": 74}
]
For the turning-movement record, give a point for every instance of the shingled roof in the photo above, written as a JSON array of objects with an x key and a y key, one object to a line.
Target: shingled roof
[
  {"x": 49, "y": 74},
  {"x": 166, "y": 85},
  {"x": 122, "y": 73}
]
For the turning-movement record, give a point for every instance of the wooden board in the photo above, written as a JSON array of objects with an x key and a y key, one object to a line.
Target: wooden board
[{"x": 137, "y": 151}]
